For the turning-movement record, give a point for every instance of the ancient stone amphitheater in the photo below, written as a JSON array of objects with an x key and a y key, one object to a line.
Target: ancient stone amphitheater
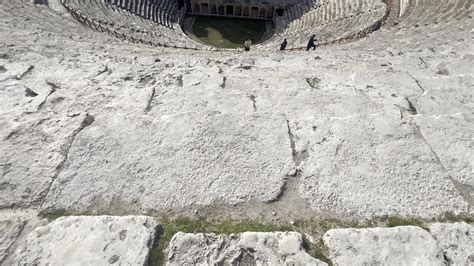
[{"x": 124, "y": 141}]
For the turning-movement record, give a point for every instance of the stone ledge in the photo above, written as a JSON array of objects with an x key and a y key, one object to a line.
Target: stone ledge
[{"x": 89, "y": 240}]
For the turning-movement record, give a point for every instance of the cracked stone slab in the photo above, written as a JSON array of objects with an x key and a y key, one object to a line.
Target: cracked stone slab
[
  {"x": 249, "y": 248},
  {"x": 298, "y": 100},
  {"x": 16, "y": 98},
  {"x": 445, "y": 95},
  {"x": 456, "y": 240},
  {"x": 89, "y": 240},
  {"x": 15, "y": 225},
  {"x": 175, "y": 161},
  {"x": 404, "y": 245},
  {"x": 32, "y": 149},
  {"x": 10, "y": 231},
  {"x": 452, "y": 139},
  {"x": 198, "y": 99},
  {"x": 372, "y": 166},
  {"x": 15, "y": 71}
]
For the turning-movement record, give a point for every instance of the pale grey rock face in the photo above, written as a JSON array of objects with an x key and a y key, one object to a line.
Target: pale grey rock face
[
  {"x": 10, "y": 231},
  {"x": 456, "y": 241},
  {"x": 175, "y": 161},
  {"x": 445, "y": 95},
  {"x": 404, "y": 245},
  {"x": 249, "y": 248},
  {"x": 379, "y": 126},
  {"x": 15, "y": 225},
  {"x": 451, "y": 138},
  {"x": 371, "y": 166},
  {"x": 83, "y": 240},
  {"x": 32, "y": 151}
]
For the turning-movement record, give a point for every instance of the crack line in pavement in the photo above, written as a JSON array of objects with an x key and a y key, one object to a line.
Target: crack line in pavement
[
  {"x": 87, "y": 121},
  {"x": 459, "y": 187}
]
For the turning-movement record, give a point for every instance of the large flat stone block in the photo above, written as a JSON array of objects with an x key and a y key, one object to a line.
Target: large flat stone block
[
  {"x": 405, "y": 245},
  {"x": 456, "y": 241},
  {"x": 89, "y": 240},
  {"x": 175, "y": 161},
  {"x": 10, "y": 229},
  {"x": 249, "y": 248},
  {"x": 372, "y": 166}
]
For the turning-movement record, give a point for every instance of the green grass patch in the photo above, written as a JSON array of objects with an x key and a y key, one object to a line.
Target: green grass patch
[
  {"x": 319, "y": 251},
  {"x": 394, "y": 221},
  {"x": 454, "y": 218},
  {"x": 53, "y": 215},
  {"x": 228, "y": 32}
]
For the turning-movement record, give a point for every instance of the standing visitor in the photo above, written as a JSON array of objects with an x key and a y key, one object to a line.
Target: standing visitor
[
  {"x": 311, "y": 43},
  {"x": 283, "y": 45}
]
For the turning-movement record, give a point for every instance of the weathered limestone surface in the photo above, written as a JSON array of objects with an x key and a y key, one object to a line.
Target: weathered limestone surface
[
  {"x": 379, "y": 126},
  {"x": 456, "y": 241},
  {"x": 404, "y": 245},
  {"x": 373, "y": 165},
  {"x": 32, "y": 151},
  {"x": 175, "y": 161},
  {"x": 82, "y": 240},
  {"x": 15, "y": 225},
  {"x": 249, "y": 248},
  {"x": 451, "y": 138},
  {"x": 10, "y": 231}
]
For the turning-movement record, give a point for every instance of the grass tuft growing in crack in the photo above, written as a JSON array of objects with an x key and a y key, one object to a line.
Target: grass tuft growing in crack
[
  {"x": 169, "y": 227},
  {"x": 320, "y": 252},
  {"x": 53, "y": 215},
  {"x": 454, "y": 218},
  {"x": 395, "y": 221}
]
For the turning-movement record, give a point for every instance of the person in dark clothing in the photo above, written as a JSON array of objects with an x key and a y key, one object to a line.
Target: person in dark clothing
[
  {"x": 311, "y": 43},
  {"x": 283, "y": 45}
]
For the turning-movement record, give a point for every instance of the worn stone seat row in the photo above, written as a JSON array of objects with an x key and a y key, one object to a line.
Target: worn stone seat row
[
  {"x": 329, "y": 20},
  {"x": 163, "y": 12},
  {"x": 24, "y": 13},
  {"x": 322, "y": 18},
  {"x": 425, "y": 12},
  {"x": 99, "y": 240},
  {"x": 121, "y": 20}
]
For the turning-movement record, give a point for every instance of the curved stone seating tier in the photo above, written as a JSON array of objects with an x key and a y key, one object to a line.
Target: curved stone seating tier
[
  {"x": 298, "y": 17},
  {"x": 123, "y": 22},
  {"x": 425, "y": 12},
  {"x": 160, "y": 11},
  {"x": 43, "y": 17},
  {"x": 332, "y": 20},
  {"x": 329, "y": 21}
]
